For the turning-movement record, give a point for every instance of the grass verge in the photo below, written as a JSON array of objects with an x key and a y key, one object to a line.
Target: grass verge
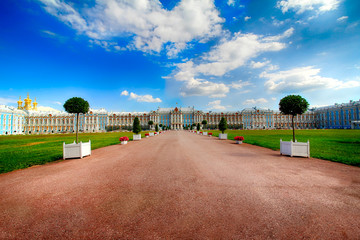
[
  {"x": 337, "y": 145},
  {"x": 18, "y": 151}
]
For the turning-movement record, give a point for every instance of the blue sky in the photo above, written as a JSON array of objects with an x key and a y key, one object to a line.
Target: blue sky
[{"x": 138, "y": 55}]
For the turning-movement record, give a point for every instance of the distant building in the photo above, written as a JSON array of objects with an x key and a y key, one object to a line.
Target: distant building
[
  {"x": 345, "y": 116},
  {"x": 26, "y": 119}
]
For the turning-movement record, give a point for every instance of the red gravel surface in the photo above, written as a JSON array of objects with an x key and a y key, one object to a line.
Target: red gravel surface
[{"x": 181, "y": 185}]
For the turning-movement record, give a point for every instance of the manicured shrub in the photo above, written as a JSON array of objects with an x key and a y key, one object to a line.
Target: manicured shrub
[
  {"x": 204, "y": 122},
  {"x": 136, "y": 126},
  {"x": 76, "y": 105},
  {"x": 293, "y": 105},
  {"x": 222, "y": 125}
]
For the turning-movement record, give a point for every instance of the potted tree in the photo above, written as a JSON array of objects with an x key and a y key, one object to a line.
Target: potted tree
[
  {"x": 198, "y": 128},
  {"x": 222, "y": 128},
  {"x": 156, "y": 129},
  {"x": 294, "y": 105},
  {"x": 76, "y": 105},
  {"x": 136, "y": 129},
  {"x": 204, "y": 123},
  {"x": 150, "y": 124}
]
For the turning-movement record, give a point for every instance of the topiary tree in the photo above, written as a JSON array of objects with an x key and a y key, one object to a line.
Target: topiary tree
[
  {"x": 191, "y": 127},
  {"x": 204, "y": 122},
  {"x": 156, "y": 128},
  {"x": 222, "y": 125},
  {"x": 198, "y": 127},
  {"x": 76, "y": 105},
  {"x": 136, "y": 126},
  {"x": 293, "y": 105},
  {"x": 150, "y": 123}
]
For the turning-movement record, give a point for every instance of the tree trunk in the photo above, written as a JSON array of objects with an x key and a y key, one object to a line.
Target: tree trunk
[
  {"x": 77, "y": 127},
  {"x": 292, "y": 119}
]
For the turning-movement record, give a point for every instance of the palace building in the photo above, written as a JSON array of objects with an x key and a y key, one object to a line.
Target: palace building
[{"x": 27, "y": 119}]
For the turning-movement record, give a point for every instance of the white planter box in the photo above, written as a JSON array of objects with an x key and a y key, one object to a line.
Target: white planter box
[
  {"x": 205, "y": 133},
  {"x": 238, "y": 142},
  {"x": 74, "y": 150},
  {"x": 151, "y": 134},
  {"x": 123, "y": 142},
  {"x": 291, "y": 148},
  {"x": 136, "y": 137},
  {"x": 222, "y": 135},
  {"x": 197, "y": 132}
]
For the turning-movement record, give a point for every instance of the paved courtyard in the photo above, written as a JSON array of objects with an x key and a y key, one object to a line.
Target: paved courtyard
[{"x": 182, "y": 186}]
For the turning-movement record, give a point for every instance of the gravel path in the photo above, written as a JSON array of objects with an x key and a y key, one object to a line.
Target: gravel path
[{"x": 181, "y": 185}]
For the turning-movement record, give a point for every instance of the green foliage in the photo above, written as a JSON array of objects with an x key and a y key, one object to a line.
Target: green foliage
[
  {"x": 160, "y": 125},
  {"x": 293, "y": 105},
  {"x": 112, "y": 128},
  {"x": 76, "y": 105},
  {"x": 191, "y": 127},
  {"x": 222, "y": 125},
  {"x": 136, "y": 126},
  {"x": 198, "y": 127},
  {"x": 150, "y": 123},
  {"x": 156, "y": 128},
  {"x": 204, "y": 122}
]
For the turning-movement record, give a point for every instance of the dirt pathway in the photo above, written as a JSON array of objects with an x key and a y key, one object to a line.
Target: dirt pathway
[{"x": 182, "y": 186}]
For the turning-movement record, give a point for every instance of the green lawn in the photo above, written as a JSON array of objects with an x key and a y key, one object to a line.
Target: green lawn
[
  {"x": 336, "y": 145},
  {"x": 18, "y": 152}
]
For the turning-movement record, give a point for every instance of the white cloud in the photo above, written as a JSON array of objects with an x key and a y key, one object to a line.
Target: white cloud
[
  {"x": 272, "y": 67},
  {"x": 124, "y": 93},
  {"x": 286, "y": 34},
  {"x": 58, "y": 103},
  {"x": 216, "y": 105},
  {"x": 227, "y": 56},
  {"x": 143, "y": 98},
  {"x": 233, "y": 53},
  {"x": 6, "y": 101},
  {"x": 343, "y": 18},
  {"x": 199, "y": 87},
  {"x": 49, "y": 33},
  {"x": 46, "y": 109},
  {"x": 255, "y": 101},
  {"x": 239, "y": 84},
  {"x": 146, "y": 22},
  {"x": 247, "y": 18},
  {"x": 107, "y": 45},
  {"x": 231, "y": 2},
  {"x": 303, "y": 5},
  {"x": 303, "y": 79},
  {"x": 259, "y": 64}
]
